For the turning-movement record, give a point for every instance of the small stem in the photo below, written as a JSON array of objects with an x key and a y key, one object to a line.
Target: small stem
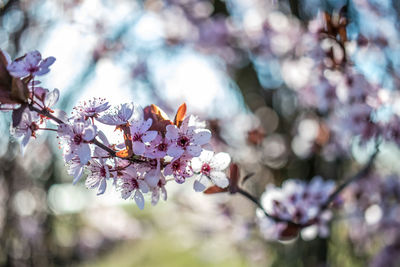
[
  {"x": 48, "y": 129},
  {"x": 360, "y": 174},
  {"x": 46, "y": 114}
]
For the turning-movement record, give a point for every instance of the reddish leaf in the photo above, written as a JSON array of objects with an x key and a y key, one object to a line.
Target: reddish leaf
[
  {"x": 128, "y": 152},
  {"x": 180, "y": 115},
  {"x": 160, "y": 119},
  {"x": 215, "y": 189}
]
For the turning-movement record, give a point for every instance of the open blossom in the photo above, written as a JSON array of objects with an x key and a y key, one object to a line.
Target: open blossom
[
  {"x": 77, "y": 137},
  {"x": 179, "y": 168},
  {"x": 159, "y": 191},
  {"x": 157, "y": 148},
  {"x": 99, "y": 173},
  {"x": 140, "y": 135},
  {"x": 186, "y": 138},
  {"x": 133, "y": 185},
  {"x": 92, "y": 107},
  {"x": 210, "y": 166},
  {"x": 120, "y": 115},
  {"x": 31, "y": 64},
  {"x": 27, "y": 127},
  {"x": 298, "y": 202}
]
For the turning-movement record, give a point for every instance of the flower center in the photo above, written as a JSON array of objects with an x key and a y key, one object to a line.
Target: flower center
[
  {"x": 176, "y": 166},
  {"x": 103, "y": 172},
  {"x": 137, "y": 137},
  {"x": 183, "y": 141},
  {"x": 206, "y": 169},
  {"x": 162, "y": 147},
  {"x": 78, "y": 139},
  {"x": 33, "y": 69}
]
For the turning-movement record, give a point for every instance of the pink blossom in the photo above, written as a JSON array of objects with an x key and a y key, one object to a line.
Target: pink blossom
[
  {"x": 186, "y": 138},
  {"x": 179, "y": 168},
  {"x": 133, "y": 183},
  {"x": 159, "y": 191},
  {"x": 92, "y": 107},
  {"x": 120, "y": 115},
  {"x": 157, "y": 148},
  {"x": 100, "y": 172},
  {"x": 298, "y": 202},
  {"x": 27, "y": 127},
  {"x": 210, "y": 166},
  {"x": 141, "y": 135},
  {"x": 31, "y": 64},
  {"x": 77, "y": 137}
]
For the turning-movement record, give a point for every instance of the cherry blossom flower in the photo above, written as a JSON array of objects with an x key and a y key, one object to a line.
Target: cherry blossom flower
[
  {"x": 140, "y": 135},
  {"x": 27, "y": 127},
  {"x": 31, "y": 64},
  {"x": 210, "y": 166},
  {"x": 186, "y": 138},
  {"x": 133, "y": 185},
  {"x": 92, "y": 107},
  {"x": 157, "y": 148},
  {"x": 100, "y": 172},
  {"x": 159, "y": 191},
  {"x": 77, "y": 137},
  {"x": 120, "y": 115},
  {"x": 179, "y": 168}
]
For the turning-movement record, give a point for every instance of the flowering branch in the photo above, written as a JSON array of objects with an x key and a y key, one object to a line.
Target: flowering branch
[{"x": 152, "y": 147}]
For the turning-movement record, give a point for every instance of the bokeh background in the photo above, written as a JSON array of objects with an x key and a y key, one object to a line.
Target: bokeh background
[{"x": 232, "y": 62}]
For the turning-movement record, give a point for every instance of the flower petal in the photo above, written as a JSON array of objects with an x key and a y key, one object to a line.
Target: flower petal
[
  {"x": 89, "y": 133},
  {"x": 139, "y": 199},
  {"x": 33, "y": 58},
  {"x": 149, "y": 136},
  {"x": 83, "y": 152},
  {"x": 102, "y": 187},
  {"x": 219, "y": 179},
  {"x": 138, "y": 148},
  {"x": 172, "y": 132},
  {"x": 202, "y": 138},
  {"x": 175, "y": 151},
  {"x": 194, "y": 150},
  {"x": 220, "y": 161}
]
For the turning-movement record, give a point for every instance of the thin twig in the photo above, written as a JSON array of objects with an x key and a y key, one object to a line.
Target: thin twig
[{"x": 360, "y": 174}]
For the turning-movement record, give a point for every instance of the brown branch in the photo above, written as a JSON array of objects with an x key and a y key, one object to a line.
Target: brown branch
[{"x": 113, "y": 153}]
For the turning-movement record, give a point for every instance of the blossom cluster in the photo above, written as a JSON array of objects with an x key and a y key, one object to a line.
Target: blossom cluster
[
  {"x": 153, "y": 151},
  {"x": 298, "y": 206}
]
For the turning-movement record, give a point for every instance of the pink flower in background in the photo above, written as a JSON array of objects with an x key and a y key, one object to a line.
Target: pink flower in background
[
  {"x": 140, "y": 135},
  {"x": 298, "y": 202},
  {"x": 31, "y": 64},
  {"x": 210, "y": 166},
  {"x": 186, "y": 138}
]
